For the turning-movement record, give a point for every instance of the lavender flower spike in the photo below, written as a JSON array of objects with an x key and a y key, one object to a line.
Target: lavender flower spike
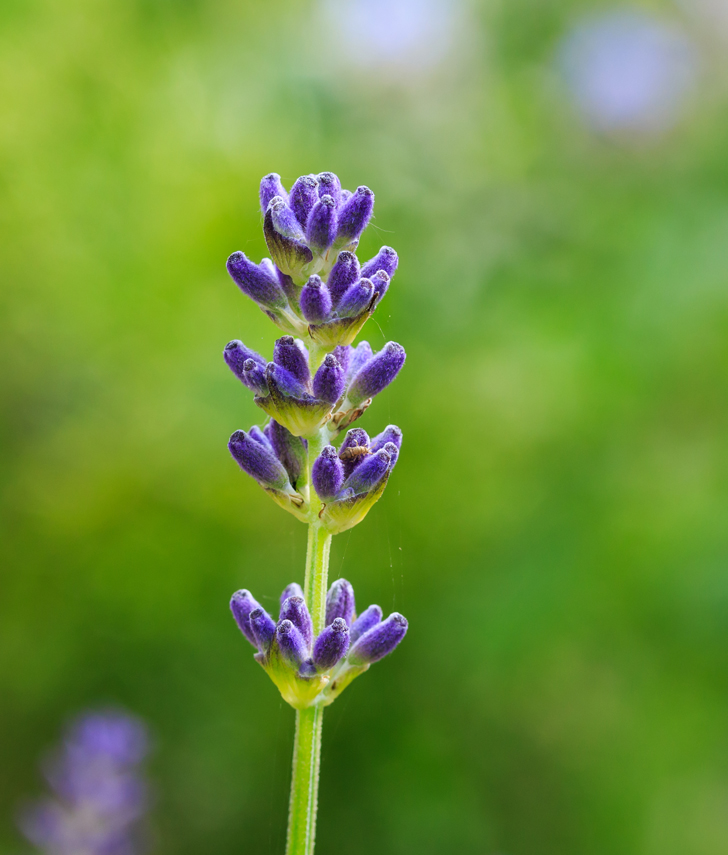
[
  {"x": 317, "y": 385},
  {"x": 377, "y": 373},
  {"x": 100, "y": 794},
  {"x": 379, "y": 641}
]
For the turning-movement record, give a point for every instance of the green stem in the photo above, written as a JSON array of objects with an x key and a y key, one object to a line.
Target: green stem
[
  {"x": 304, "y": 786},
  {"x": 307, "y": 743}
]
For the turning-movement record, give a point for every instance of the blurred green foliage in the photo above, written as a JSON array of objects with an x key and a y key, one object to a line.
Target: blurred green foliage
[{"x": 556, "y": 528}]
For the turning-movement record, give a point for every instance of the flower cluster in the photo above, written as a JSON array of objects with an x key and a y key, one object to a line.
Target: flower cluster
[
  {"x": 335, "y": 395},
  {"x": 99, "y": 794},
  {"x": 314, "y": 284},
  {"x": 312, "y": 670},
  {"x": 316, "y": 386},
  {"x": 347, "y": 481}
]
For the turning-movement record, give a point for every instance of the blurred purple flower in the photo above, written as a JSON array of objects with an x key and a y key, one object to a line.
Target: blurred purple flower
[
  {"x": 628, "y": 71},
  {"x": 381, "y": 34},
  {"x": 99, "y": 795}
]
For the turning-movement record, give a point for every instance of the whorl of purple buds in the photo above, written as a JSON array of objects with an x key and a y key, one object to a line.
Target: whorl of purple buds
[
  {"x": 99, "y": 792},
  {"x": 343, "y": 649}
]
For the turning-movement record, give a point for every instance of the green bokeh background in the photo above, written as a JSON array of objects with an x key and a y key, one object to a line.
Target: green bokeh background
[{"x": 557, "y": 528}]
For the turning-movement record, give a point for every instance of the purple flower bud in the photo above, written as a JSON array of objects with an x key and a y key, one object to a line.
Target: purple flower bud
[
  {"x": 329, "y": 185},
  {"x": 343, "y": 354},
  {"x": 235, "y": 356},
  {"x": 356, "y": 300},
  {"x": 343, "y": 275},
  {"x": 263, "y": 628},
  {"x": 393, "y": 453},
  {"x": 260, "y": 436},
  {"x": 386, "y": 259},
  {"x": 284, "y": 220},
  {"x": 284, "y": 381},
  {"x": 256, "y": 281},
  {"x": 327, "y": 474},
  {"x": 315, "y": 301},
  {"x": 292, "y": 590},
  {"x": 241, "y": 605},
  {"x": 380, "y": 281},
  {"x": 254, "y": 377},
  {"x": 258, "y": 461},
  {"x": 289, "y": 449},
  {"x": 331, "y": 645},
  {"x": 295, "y": 610},
  {"x": 355, "y": 214},
  {"x": 340, "y": 602},
  {"x": 304, "y": 195},
  {"x": 271, "y": 186},
  {"x": 367, "y": 619},
  {"x": 321, "y": 225},
  {"x": 391, "y": 433},
  {"x": 377, "y": 373},
  {"x": 293, "y": 356},
  {"x": 294, "y": 649},
  {"x": 368, "y": 473},
  {"x": 379, "y": 641},
  {"x": 353, "y": 449},
  {"x": 329, "y": 381},
  {"x": 359, "y": 355}
]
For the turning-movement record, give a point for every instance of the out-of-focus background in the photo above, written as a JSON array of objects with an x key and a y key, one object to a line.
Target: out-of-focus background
[{"x": 554, "y": 176}]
